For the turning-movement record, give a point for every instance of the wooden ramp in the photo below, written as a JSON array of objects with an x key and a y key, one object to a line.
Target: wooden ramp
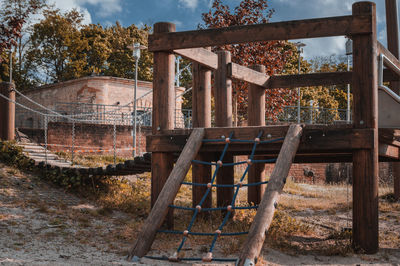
[{"x": 265, "y": 210}]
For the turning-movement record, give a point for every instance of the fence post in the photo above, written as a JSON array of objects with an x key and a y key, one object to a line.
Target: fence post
[{"x": 7, "y": 112}]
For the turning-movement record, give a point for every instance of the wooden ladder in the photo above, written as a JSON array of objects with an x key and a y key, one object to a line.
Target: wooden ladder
[
  {"x": 266, "y": 209},
  {"x": 167, "y": 195}
]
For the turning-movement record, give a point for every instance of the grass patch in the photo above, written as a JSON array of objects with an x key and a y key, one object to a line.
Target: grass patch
[{"x": 91, "y": 160}]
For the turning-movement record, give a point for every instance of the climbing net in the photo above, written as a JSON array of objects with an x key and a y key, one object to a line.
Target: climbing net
[{"x": 228, "y": 209}]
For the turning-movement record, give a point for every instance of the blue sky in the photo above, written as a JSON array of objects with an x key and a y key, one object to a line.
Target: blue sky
[{"x": 186, "y": 14}]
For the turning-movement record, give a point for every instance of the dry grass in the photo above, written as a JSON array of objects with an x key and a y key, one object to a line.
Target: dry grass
[{"x": 92, "y": 160}]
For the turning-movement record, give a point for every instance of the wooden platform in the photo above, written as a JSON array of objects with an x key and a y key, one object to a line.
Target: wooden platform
[{"x": 319, "y": 143}]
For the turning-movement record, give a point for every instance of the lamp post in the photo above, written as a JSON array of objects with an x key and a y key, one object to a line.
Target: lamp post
[
  {"x": 349, "y": 52},
  {"x": 136, "y": 47},
  {"x": 299, "y": 46}
]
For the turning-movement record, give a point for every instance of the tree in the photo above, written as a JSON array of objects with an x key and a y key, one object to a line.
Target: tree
[
  {"x": 120, "y": 61},
  {"x": 273, "y": 54},
  {"x": 57, "y": 49}
]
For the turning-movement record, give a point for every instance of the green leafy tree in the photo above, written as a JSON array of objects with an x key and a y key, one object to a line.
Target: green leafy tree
[
  {"x": 120, "y": 62},
  {"x": 57, "y": 49}
]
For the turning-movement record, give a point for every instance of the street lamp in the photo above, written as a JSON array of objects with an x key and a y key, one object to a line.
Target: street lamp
[
  {"x": 349, "y": 52},
  {"x": 299, "y": 46},
  {"x": 136, "y": 47}
]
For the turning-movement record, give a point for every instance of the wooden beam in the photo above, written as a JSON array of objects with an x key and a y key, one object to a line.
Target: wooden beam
[
  {"x": 388, "y": 151},
  {"x": 256, "y": 117},
  {"x": 163, "y": 114},
  {"x": 201, "y": 106},
  {"x": 200, "y": 55},
  {"x": 288, "y": 30},
  {"x": 168, "y": 193},
  {"x": 249, "y": 75},
  {"x": 365, "y": 115},
  {"x": 265, "y": 212},
  {"x": 313, "y": 79},
  {"x": 392, "y": 27},
  {"x": 223, "y": 118},
  {"x": 315, "y": 139}
]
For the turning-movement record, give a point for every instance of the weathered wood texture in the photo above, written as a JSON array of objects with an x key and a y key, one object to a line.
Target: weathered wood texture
[
  {"x": 315, "y": 139},
  {"x": 247, "y": 74},
  {"x": 255, "y": 239},
  {"x": 202, "y": 56},
  {"x": 223, "y": 118},
  {"x": 163, "y": 113},
  {"x": 365, "y": 115},
  {"x": 392, "y": 28},
  {"x": 256, "y": 117},
  {"x": 201, "y": 107},
  {"x": 7, "y": 112},
  {"x": 167, "y": 195},
  {"x": 314, "y": 79},
  {"x": 296, "y": 29}
]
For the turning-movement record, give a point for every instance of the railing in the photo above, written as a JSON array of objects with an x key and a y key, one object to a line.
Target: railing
[{"x": 314, "y": 115}]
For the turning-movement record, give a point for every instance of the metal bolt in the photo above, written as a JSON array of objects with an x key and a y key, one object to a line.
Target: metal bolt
[
  {"x": 269, "y": 136},
  {"x": 362, "y": 122},
  {"x": 222, "y": 137},
  {"x": 158, "y": 128}
]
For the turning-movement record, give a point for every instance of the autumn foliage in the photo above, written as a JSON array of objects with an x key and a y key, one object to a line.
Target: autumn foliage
[{"x": 272, "y": 54}]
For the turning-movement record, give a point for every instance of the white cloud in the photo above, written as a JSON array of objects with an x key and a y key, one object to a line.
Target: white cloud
[
  {"x": 104, "y": 8},
  {"x": 191, "y": 4}
]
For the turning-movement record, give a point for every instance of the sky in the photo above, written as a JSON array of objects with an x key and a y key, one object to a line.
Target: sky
[{"x": 186, "y": 14}]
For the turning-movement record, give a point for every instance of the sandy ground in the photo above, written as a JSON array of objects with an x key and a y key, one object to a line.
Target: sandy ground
[{"x": 43, "y": 225}]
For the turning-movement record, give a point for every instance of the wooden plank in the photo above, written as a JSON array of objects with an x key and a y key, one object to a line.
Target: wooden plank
[
  {"x": 201, "y": 56},
  {"x": 223, "y": 118},
  {"x": 288, "y": 30},
  {"x": 168, "y": 193},
  {"x": 392, "y": 27},
  {"x": 256, "y": 117},
  {"x": 163, "y": 114},
  {"x": 255, "y": 239},
  {"x": 314, "y": 140},
  {"x": 249, "y": 75},
  {"x": 388, "y": 151},
  {"x": 365, "y": 115},
  {"x": 201, "y": 117},
  {"x": 313, "y": 79}
]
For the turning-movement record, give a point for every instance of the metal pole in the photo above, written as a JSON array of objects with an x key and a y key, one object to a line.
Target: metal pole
[
  {"x": 298, "y": 91},
  {"x": 134, "y": 109},
  {"x": 348, "y": 91},
  {"x": 11, "y": 68}
]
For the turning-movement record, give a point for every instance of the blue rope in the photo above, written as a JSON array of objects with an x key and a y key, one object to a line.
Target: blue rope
[
  {"x": 201, "y": 234},
  {"x": 235, "y": 195},
  {"x": 202, "y": 162},
  {"x": 205, "y": 194}
]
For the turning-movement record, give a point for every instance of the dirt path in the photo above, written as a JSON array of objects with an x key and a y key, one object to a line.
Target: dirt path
[{"x": 43, "y": 225}]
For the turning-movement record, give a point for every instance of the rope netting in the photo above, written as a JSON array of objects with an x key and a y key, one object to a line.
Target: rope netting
[{"x": 228, "y": 209}]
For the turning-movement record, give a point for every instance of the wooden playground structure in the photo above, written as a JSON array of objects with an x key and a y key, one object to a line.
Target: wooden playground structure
[{"x": 369, "y": 139}]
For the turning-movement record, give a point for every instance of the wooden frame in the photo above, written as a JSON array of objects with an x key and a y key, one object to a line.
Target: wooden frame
[{"x": 361, "y": 142}]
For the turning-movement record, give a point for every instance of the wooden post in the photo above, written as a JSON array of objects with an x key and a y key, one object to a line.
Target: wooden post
[
  {"x": 223, "y": 118},
  {"x": 7, "y": 112},
  {"x": 256, "y": 117},
  {"x": 265, "y": 213},
  {"x": 365, "y": 115},
  {"x": 392, "y": 28},
  {"x": 167, "y": 195},
  {"x": 163, "y": 114},
  {"x": 201, "y": 106}
]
